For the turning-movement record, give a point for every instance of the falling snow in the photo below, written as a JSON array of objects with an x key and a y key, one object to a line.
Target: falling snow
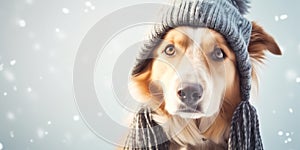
[
  {"x": 8, "y": 75},
  {"x": 36, "y": 46},
  {"x": 280, "y": 133},
  {"x": 52, "y": 69},
  {"x": 65, "y": 10},
  {"x": 60, "y": 34},
  {"x": 1, "y": 67},
  {"x": 13, "y": 62},
  {"x": 57, "y": 30},
  {"x": 22, "y": 23},
  {"x": 15, "y": 88},
  {"x": 10, "y": 116},
  {"x": 1, "y": 146},
  {"x": 89, "y": 5},
  {"x": 49, "y": 122},
  {"x": 283, "y": 17},
  {"x": 92, "y": 7},
  {"x": 40, "y": 133},
  {"x": 29, "y": 89},
  {"x": 29, "y": 1},
  {"x": 31, "y": 140},
  {"x": 11, "y": 133},
  {"x": 76, "y": 118},
  {"x": 291, "y": 75},
  {"x": 276, "y": 18}
]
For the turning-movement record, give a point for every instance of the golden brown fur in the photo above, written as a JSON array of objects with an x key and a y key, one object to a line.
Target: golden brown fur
[{"x": 152, "y": 84}]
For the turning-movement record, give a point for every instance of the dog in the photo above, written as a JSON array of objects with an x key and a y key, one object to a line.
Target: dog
[{"x": 192, "y": 84}]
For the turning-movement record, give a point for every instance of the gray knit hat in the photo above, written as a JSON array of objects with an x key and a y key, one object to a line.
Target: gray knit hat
[{"x": 225, "y": 17}]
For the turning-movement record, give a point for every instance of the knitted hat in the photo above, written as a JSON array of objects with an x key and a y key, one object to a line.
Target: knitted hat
[{"x": 225, "y": 17}]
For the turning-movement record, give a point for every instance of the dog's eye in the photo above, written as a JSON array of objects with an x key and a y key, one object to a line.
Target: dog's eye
[
  {"x": 170, "y": 50},
  {"x": 218, "y": 54}
]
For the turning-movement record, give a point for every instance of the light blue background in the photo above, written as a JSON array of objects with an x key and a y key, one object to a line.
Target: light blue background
[{"x": 37, "y": 108}]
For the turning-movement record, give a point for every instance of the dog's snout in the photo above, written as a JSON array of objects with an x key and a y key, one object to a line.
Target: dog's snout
[{"x": 189, "y": 93}]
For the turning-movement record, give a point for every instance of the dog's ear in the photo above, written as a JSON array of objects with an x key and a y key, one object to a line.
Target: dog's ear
[
  {"x": 261, "y": 41},
  {"x": 139, "y": 84}
]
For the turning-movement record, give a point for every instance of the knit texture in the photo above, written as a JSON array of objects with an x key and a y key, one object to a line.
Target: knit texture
[
  {"x": 225, "y": 17},
  {"x": 146, "y": 134}
]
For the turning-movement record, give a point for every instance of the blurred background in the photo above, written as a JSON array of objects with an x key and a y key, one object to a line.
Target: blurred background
[{"x": 38, "y": 44}]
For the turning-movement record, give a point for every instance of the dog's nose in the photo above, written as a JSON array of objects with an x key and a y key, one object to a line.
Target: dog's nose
[{"x": 190, "y": 93}]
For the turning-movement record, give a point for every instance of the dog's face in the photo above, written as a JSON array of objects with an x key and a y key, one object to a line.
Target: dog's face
[
  {"x": 194, "y": 72},
  {"x": 193, "y": 66}
]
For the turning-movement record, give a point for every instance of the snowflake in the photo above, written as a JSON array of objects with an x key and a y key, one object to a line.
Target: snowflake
[
  {"x": 36, "y": 46},
  {"x": 291, "y": 75},
  {"x": 93, "y": 7},
  {"x": 9, "y": 76},
  {"x": 22, "y": 23},
  {"x": 29, "y": 89},
  {"x": 31, "y": 140},
  {"x": 13, "y": 62},
  {"x": 57, "y": 30},
  {"x": 283, "y": 16},
  {"x": 1, "y": 67},
  {"x": 11, "y": 133},
  {"x": 10, "y": 116},
  {"x": 29, "y": 1},
  {"x": 65, "y": 10},
  {"x": 15, "y": 88},
  {"x": 280, "y": 133},
  {"x": 291, "y": 110},
  {"x": 1, "y": 146},
  {"x": 276, "y": 18},
  {"x": 88, "y": 4},
  {"x": 41, "y": 133},
  {"x": 49, "y": 122},
  {"x": 76, "y": 117}
]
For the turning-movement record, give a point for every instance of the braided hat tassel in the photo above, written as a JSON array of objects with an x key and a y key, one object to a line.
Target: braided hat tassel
[{"x": 244, "y": 131}]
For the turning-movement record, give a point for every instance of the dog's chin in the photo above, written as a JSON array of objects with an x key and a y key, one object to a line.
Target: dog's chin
[{"x": 190, "y": 115}]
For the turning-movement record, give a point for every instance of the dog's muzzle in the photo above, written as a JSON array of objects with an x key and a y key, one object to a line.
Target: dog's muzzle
[{"x": 189, "y": 93}]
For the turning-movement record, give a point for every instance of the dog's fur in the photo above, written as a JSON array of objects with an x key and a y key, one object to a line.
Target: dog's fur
[{"x": 208, "y": 126}]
